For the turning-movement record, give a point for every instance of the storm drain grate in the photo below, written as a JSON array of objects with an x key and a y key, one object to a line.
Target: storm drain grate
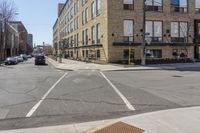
[{"x": 120, "y": 127}]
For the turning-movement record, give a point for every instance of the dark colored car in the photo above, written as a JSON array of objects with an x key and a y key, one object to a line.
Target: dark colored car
[
  {"x": 40, "y": 59},
  {"x": 10, "y": 61}
]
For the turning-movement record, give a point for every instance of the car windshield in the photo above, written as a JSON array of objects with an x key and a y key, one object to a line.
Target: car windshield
[{"x": 100, "y": 66}]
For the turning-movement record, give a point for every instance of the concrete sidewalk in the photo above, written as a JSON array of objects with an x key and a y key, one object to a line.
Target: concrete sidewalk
[
  {"x": 183, "y": 120},
  {"x": 72, "y": 65}
]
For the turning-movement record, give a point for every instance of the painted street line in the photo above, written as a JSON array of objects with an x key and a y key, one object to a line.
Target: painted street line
[
  {"x": 128, "y": 104},
  {"x": 35, "y": 107}
]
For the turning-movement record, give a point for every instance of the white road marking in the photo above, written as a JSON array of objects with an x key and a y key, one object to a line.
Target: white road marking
[
  {"x": 35, "y": 107},
  {"x": 128, "y": 104}
]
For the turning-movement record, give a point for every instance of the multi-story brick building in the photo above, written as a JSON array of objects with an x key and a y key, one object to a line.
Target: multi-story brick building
[
  {"x": 107, "y": 30},
  {"x": 22, "y": 31},
  {"x": 9, "y": 40}
]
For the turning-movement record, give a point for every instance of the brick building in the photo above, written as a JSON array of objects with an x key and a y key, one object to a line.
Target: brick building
[
  {"x": 22, "y": 31},
  {"x": 9, "y": 41},
  {"x": 107, "y": 30}
]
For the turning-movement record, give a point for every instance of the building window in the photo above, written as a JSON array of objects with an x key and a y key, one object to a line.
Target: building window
[
  {"x": 154, "y": 5},
  {"x": 83, "y": 17},
  {"x": 98, "y": 4},
  {"x": 86, "y": 36},
  {"x": 86, "y": 15},
  {"x": 83, "y": 37},
  {"x": 92, "y": 10},
  {"x": 128, "y": 30},
  {"x": 154, "y": 30},
  {"x": 87, "y": 54},
  {"x": 126, "y": 54},
  {"x": 197, "y": 6},
  {"x": 179, "y": 31},
  {"x": 179, "y": 5},
  {"x": 83, "y": 53},
  {"x": 83, "y": 2},
  {"x": 98, "y": 54},
  {"x": 128, "y": 4},
  {"x": 175, "y": 53},
  {"x": 93, "y": 34},
  {"x": 184, "y": 53},
  {"x": 154, "y": 53},
  {"x": 98, "y": 32},
  {"x": 77, "y": 38}
]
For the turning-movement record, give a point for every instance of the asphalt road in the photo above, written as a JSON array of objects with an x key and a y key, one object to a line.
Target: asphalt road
[{"x": 32, "y": 96}]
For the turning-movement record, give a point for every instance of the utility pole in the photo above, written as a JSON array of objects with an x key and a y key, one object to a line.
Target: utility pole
[{"x": 143, "y": 58}]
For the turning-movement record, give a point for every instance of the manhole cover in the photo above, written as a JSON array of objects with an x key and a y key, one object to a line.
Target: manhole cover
[
  {"x": 120, "y": 127},
  {"x": 177, "y": 76}
]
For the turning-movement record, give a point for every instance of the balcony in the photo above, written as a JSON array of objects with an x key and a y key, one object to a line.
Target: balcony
[
  {"x": 154, "y": 8},
  {"x": 178, "y": 39},
  {"x": 179, "y": 9},
  {"x": 154, "y": 39}
]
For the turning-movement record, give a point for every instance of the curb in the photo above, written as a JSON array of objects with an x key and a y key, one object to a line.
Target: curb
[
  {"x": 57, "y": 67},
  {"x": 133, "y": 70}
]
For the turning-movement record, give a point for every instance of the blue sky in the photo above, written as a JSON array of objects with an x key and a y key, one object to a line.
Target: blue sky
[{"x": 38, "y": 17}]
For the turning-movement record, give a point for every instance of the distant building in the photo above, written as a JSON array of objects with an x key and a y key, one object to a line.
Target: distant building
[{"x": 30, "y": 40}]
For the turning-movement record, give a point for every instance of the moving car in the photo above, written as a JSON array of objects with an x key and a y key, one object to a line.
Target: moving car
[
  {"x": 40, "y": 59},
  {"x": 10, "y": 61}
]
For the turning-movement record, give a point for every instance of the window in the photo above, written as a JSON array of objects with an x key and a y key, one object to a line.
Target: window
[
  {"x": 154, "y": 53},
  {"x": 154, "y": 5},
  {"x": 83, "y": 53},
  {"x": 128, "y": 4},
  {"x": 93, "y": 34},
  {"x": 83, "y": 2},
  {"x": 83, "y": 17},
  {"x": 83, "y": 37},
  {"x": 86, "y": 15},
  {"x": 92, "y": 10},
  {"x": 98, "y": 32},
  {"x": 86, "y": 36},
  {"x": 87, "y": 54},
  {"x": 128, "y": 30},
  {"x": 179, "y": 5},
  {"x": 126, "y": 54},
  {"x": 179, "y": 31},
  {"x": 98, "y": 54},
  {"x": 197, "y": 6},
  {"x": 77, "y": 38},
  {"x": 98, "y": 4},
  {"x": 154, "y": 29},
  {"x": 71, "y": 13}
]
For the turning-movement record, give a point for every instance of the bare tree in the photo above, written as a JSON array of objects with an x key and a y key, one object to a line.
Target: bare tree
[
  {"x": 8, "y": 12},
  {"x": 8, "y": 9}
]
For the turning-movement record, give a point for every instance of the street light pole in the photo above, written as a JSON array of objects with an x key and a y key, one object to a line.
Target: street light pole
[{"x": 143, "y": 59}]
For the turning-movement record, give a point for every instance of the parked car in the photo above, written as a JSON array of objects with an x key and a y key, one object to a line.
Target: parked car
[
  {"x": 40, "y": 59},
  {"x": 29, "y": 56},
  {"x": 20, "y": 59},
  {"x": 24, "y": 56},
  {"x": 11, "y": 61}
]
